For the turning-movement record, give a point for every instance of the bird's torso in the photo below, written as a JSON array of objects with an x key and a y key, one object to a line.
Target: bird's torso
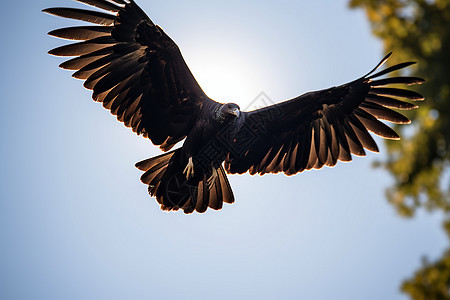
[{"x": 211, "y": 139}]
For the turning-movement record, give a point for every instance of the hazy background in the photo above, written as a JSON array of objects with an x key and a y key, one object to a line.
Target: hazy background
[{"x": 76, "y": 223}]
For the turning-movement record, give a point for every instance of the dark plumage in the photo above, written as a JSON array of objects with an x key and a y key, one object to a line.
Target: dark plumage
[{"x": 139, "y": 74}]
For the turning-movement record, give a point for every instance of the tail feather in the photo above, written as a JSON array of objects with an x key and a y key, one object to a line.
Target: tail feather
[
  {"x": 214, "y": 201},
  {"x": 147, "y": 164},
  {"x": 227, "y": 192},
  {"x": 202, "y": 197},
  {"x": 164, "y": 176}
]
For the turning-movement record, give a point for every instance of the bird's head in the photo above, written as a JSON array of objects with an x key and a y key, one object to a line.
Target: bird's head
[{"x": 228, "y": 112}]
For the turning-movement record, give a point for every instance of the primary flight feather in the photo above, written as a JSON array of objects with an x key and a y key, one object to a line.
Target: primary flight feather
[{"x": 139, "y": 74}]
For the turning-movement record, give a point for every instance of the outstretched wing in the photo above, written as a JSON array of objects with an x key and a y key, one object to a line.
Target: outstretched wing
[
  {"x": 320, "y": 128},
  {"x": 133, "y": 68}
]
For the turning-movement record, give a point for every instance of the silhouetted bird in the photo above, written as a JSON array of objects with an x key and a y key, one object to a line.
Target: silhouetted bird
[{"x": 139, "y": 74}]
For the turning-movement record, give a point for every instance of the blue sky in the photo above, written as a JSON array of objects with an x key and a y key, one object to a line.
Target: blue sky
[{"x": 76, "y": 223}]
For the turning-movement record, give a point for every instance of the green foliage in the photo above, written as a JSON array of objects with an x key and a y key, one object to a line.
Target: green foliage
[
  {"x": 431, "y": 281},
  {"x": 418, "y": 30}
]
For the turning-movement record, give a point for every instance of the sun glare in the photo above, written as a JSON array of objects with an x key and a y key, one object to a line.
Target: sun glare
[{"x": 227, "y": 78}]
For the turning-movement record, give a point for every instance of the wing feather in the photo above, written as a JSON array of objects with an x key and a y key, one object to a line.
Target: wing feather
[
  {"x": 390, "y": 102},
  {"x": 383, "y": 113},
  {"x": 134, "y": 68},
  {"x": 321, "y": 128},
  {"x": 82, "y": 15},
  {"x": 81, "y": 33},
  {"x": 377, "y": 127},
  {"x": 360, "y": 130},
  {"x": 82, "y": 61},
  {"x": 102, "y": 4},
  {"x": 82, "y": 48},
  {"x": 352, "y": 139},
  {"x": 398, "y": 80},
  {"x": 391, "y": 69},
  {"x": 411, "y": 95}
]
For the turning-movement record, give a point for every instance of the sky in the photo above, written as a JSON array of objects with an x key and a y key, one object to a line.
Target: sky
[{"x": 76, "y": 222}]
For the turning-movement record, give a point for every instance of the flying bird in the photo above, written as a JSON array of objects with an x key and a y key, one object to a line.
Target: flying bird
[{"x": 138, "y": 73}]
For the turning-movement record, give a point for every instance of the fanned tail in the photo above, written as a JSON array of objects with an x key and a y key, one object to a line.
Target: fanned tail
[{"x": 165, "y": 179}]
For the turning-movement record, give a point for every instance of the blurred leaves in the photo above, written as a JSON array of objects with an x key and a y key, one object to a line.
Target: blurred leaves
[
  {"x": 432, "y": 281},
  {"x": 418, "y": 30}
]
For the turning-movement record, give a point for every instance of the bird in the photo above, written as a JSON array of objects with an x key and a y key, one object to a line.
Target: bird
[{"x": 138, "y": 73}]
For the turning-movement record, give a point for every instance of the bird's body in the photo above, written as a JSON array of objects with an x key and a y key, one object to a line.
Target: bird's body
[
  {"x": 196, "y": 167},
  {"x": 217, "y": 126},
  {"x": 139, "y": 74}
]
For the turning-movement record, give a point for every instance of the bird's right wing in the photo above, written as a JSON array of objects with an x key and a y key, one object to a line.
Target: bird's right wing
[
  {"x": 133, "y": 68},
  {"x": 319, "y": 128}
]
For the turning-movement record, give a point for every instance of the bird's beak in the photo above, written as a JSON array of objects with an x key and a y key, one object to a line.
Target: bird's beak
[{"x": 236, "y": 112}]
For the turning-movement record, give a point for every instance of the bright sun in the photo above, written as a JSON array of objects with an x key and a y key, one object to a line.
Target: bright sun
[{"x": 226, "y": 78}]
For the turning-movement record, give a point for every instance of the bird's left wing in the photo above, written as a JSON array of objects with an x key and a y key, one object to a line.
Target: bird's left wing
[
  {"x": 133, "y": 68},
  {"x": 320, "y": 128}
]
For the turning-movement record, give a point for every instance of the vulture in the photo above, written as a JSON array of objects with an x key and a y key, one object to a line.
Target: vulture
[{"x": 138, "y": 73}]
